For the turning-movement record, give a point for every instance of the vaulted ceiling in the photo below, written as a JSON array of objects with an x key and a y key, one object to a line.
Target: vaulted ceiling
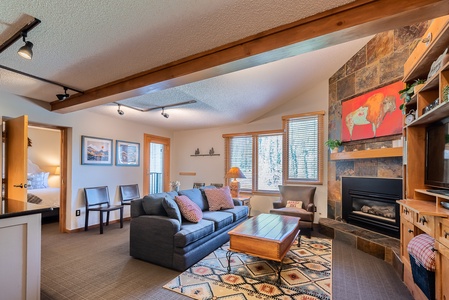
[{"x": 237, "y": 58}]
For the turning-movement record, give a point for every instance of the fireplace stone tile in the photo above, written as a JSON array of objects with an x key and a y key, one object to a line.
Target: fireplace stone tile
[
  {"x": 345, "y": 237},
  {"x": 371, "y": 248}
]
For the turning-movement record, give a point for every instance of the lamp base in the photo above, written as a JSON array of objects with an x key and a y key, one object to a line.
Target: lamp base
[{"x": 235, "y": 188}]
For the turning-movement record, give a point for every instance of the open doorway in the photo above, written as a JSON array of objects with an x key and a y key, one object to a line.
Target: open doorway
[{"x": 156, "y": 164}]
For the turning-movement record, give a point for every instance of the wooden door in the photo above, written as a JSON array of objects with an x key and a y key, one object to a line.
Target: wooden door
[
  {"x": 165, "y": 142},
  {"x": 16, "y": 154}
]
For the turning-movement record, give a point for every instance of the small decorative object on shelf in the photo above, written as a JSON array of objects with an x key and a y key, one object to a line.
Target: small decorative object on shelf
[
  {"x": 197, "y": 151},
  {"x": 410, "y": 117},
  {"x": 333, "y": 145},
  {"x": 446, "y": 93},
  {"x": 211, "y": 151},
  {"x": 437, "y": 64},
  {"x": 175, "y": 185}
]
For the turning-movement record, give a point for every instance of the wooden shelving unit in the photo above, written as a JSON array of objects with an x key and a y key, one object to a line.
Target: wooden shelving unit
[{"x": 364, "y": 154}]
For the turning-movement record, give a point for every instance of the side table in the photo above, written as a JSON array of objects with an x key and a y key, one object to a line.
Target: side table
[{"x": 246, "y": 202}]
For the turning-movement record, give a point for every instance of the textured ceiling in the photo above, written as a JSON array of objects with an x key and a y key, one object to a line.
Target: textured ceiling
[{"x": 84, "y": 44}]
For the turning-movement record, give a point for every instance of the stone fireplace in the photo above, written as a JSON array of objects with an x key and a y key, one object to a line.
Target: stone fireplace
[{"x": 370, "y": 203}]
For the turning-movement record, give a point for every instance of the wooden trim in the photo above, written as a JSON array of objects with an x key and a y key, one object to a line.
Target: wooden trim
[
  {"x": 373, "y": 153},
  {"x": 352, "y": 21},
  {"x": 149, "y": 138},
  {"x": 187, "y": 173}
]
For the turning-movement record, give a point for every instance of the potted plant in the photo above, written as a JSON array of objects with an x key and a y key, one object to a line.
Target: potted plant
[
  {"x": 409, "y": 90},
  {"x": 333, "y": 145}
]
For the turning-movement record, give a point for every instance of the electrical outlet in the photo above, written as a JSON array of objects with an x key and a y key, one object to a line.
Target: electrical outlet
[{"x": 78, "y": 213}]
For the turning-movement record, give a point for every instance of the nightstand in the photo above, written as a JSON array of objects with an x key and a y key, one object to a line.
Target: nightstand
[{"x": 245, "y": 201}]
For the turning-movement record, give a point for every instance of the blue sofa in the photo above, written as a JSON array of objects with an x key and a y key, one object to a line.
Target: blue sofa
[{"x": 173, "y": 242}]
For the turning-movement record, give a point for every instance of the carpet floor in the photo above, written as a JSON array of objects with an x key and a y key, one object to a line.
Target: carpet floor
[
  {"x": 87, "y": 265},
  {"x": 306, "y": 274}
]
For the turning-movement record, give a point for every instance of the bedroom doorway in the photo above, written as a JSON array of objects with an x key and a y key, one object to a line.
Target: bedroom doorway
[{"x": 156, "y": 164}]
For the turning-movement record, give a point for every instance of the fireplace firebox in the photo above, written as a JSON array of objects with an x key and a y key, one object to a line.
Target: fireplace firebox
[{"x": 371, "y": 203}]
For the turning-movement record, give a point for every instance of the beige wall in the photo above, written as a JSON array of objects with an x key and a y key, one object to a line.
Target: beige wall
[
  {"x": 211, "y": 168},
  {"x": 80, "y": 176}
]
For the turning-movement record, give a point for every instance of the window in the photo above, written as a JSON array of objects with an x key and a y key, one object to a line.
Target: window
[
  {"x": 303, "y": 148},
  {"x": 259, "y": 157}
]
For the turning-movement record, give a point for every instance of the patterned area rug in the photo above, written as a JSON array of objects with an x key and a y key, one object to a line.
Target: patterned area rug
[{"x": 306, "y": 274}]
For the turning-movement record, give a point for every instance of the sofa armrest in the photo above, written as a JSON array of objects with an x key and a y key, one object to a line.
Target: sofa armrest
[
  {"x": 137, "y": 208},
  {"x": 311, "y": 207},
  {"x": 154, "y": 225},
  {"x": 278, "y": 204}
]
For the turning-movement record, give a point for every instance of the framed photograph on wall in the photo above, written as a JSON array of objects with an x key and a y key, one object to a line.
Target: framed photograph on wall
[
  {"x": 96, "y": 151},
  {"x": 127, "y": 153}
]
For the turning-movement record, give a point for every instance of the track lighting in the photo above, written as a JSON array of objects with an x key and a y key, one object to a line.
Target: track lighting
[
  {"x": 119, "y": 111},
  {"x": 164, "y": 113},
  {"x": 26, "y": 50},
  {"x": 63, "y": 96}
]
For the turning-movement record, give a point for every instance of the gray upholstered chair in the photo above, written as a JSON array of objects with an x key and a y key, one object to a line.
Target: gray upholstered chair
[{"x": 305, "y": 210}]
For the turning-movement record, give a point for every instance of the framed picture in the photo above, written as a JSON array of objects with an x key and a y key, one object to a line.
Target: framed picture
[
  {"x": 96, "y": 151},
  {"x": 127, "y": 153},
  {"x": 373, "y": 114}
]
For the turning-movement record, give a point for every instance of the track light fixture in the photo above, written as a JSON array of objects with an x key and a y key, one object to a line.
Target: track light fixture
[
  {"x": 63, "y": 96},
  {"x": 26, "y": 50},
  {"x": 119, "y": 111},
  {"x": 164, "y": 113}
]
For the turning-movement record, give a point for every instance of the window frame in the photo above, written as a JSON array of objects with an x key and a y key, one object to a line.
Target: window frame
[
  {"x": 254, "y": 135},
  {"x": 320, "y": 153}
]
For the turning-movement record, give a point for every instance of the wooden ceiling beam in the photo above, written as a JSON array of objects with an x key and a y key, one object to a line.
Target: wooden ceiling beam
[{"x": 352, "y": 21}]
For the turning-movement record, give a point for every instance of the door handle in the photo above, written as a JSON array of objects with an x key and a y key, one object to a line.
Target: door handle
[{"x": 21, "y": 185}]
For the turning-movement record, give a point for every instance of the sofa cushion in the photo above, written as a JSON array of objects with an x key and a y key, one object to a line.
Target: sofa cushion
[
  {"x": 219, "y": 218},
  {"x": 171, "y": 208},
  {"x": 152, "y": 204},
  {"x": 196, "y": 196},
  {"x": 189, "y": 210},
  {"x": 238, "y": 212},
  {"x": 219, "y": 198},
  {"x": 191, "y": 232}
]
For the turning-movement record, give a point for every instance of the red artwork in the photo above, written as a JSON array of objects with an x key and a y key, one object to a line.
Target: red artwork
[{"x": 373, "y": 114}]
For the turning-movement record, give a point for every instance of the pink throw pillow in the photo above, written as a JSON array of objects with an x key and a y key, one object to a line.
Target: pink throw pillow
[
  {"x": 189, "y": 210},
  {"x": 219, "y": 198}
]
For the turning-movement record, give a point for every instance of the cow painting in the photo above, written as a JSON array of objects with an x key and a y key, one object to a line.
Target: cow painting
[{"x": 372, "y": 115}]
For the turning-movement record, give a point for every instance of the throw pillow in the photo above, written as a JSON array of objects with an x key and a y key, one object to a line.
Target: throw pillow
[
  {"x": 219, "y": 198},
  {"x": 171, "y": 208},
  {"x": 33, "y": 199},
  {"x": 189, "y": 210},
  {"x": 292, "y": 203}
]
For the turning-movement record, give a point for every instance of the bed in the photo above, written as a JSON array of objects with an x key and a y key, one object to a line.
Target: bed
[{"x": 40, "y": 193}]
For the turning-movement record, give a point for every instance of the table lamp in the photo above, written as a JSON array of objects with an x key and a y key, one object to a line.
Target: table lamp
[{"x": 235, "y": 173}]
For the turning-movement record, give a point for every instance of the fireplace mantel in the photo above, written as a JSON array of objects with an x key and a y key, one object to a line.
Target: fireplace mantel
[{"x": 372, "y": 153}]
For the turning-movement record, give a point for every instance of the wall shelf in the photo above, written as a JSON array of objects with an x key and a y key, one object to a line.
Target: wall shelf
[
  {"x": 364, "y": 154},
  {"x": 205, "y": 155}
]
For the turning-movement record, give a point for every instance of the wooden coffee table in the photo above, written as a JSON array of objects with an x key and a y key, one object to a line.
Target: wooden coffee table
[{"x": 267, "y": 236}]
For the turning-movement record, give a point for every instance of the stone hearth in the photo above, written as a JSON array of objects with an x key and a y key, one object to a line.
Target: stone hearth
[{"x": 373, "y": 243}]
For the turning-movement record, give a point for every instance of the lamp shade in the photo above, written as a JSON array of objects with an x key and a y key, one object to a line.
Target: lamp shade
[
  {"x": 235, "y": 172},
  {"x": 58, "y": 170},
  {"x": 26, "y": 50}
]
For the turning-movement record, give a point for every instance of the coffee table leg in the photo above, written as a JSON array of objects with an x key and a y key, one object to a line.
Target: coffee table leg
[
  {"x": 228, "y": 257},
  {"x": 281, "y": 264}
]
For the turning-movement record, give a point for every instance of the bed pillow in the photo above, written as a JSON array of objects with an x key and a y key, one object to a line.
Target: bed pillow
[
  {"x": 219, "y": 198},
  {"x": 292, "y": 203},
  {"x": 37, "y": 181},
  {"x": 189, "y": 210}
]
